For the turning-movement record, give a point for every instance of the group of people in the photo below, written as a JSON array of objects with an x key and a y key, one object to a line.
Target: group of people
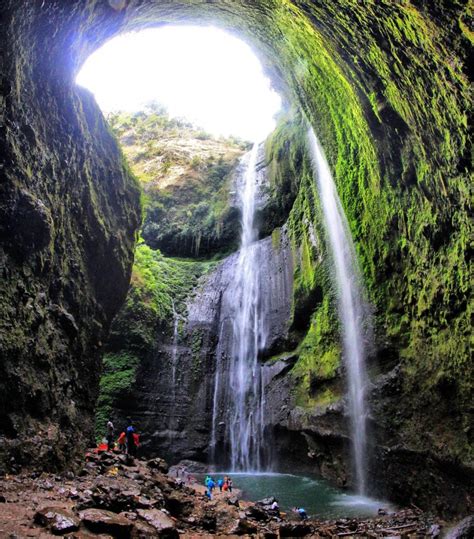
[
  {"x": 127, "y": 442},
  {"x": 224, "y": 484}
]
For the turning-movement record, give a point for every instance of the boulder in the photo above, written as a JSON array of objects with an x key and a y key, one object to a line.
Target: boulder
[
  {"x": 160, "y": 521},
  {"x": 158, "y": 464},
  {"x": 142, "y": 530},
  {"x": 59, "y": 520},
  {"x": 244, "y": 527},
  {"x": 266, "y": 501},
  {"x": 294, "y": 530},
  {"x": 257, "y": 513},
  {"x": 179, "y": 504},
  {"x": 101, "y": 521}
]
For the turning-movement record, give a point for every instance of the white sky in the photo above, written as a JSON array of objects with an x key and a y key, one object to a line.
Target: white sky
[{"x": 201, "y": 73}]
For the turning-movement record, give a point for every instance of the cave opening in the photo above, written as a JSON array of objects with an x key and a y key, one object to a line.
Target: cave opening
[{"x": 158, "y": 89}]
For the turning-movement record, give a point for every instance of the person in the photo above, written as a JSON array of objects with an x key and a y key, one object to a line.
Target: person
[
  {"x": 122, "y": 442},
  {"x": 220, "y": 484},
  {"x": 302, "y": 513},
  {"x": 208, "y": 493},
  {"x": 211, "y": 484},
  {"x": 275, "y": 507},
  {"x": 110, "y": 435},
  {"x": 131, "y": 447},
  {"x": 229, "y": 484},
  {"x": 136, "y": 441},
  {"x": 206, "y": 481}
]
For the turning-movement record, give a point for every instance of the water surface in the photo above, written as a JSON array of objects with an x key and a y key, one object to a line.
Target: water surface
[{"x": 317, "y": 496}]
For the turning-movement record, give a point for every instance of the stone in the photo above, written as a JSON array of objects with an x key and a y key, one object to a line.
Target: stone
[
  {"x": 243, "y": 527},
  {"x": 59, "y": 520},
  {"x": 233, "y": 500},
  {"x": 101, "y": 521},
  {"x": 294, "y": 530},
  {"x": 463, "y": 530},
  {"x": 158, "y": 464},
  {"x": 257, "y": 513},
  {"x": 142, "y": 530},
  {"x": 266, "y": 501},
  {"x": 160, "y": 521}
]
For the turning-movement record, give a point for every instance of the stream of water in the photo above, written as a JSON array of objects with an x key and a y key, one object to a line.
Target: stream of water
[
  {"x": 238, "y": 385},
  {"x": 352, "y": 311}
]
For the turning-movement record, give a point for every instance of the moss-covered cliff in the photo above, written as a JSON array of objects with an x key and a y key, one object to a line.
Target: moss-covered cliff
[{"x": 186, "y": 175}]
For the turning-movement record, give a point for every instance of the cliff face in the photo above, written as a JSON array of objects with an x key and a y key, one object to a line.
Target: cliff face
[
  {"x": 187, "y": 179},
  {"x": 69, "y": 211},
  {"x": 174, "y": 350}
]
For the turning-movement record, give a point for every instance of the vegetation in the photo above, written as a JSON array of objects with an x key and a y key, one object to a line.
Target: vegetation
[
  {"x": 159, "y": 285},
  {"x": 186, "y": 176}
]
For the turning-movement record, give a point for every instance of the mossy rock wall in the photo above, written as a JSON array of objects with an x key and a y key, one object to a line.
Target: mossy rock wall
[{"x": 69, "y": 211}]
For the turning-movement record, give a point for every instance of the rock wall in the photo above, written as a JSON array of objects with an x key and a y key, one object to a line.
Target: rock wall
[
  {"x": 174, "y": 411},
  {"x": 69, "y": 211}
]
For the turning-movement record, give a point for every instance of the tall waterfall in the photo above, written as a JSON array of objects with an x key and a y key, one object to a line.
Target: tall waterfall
[
  {"x": 351, "y": 305},
  {"x": 238, "y": 384}
]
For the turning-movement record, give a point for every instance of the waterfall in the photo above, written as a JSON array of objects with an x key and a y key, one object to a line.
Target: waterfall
[
  {"x": 238, "y": 402},
  {"x": 352, "y": 314},
  {"x": 174, "y": 350},
  {"x": 174, "y": 366}
]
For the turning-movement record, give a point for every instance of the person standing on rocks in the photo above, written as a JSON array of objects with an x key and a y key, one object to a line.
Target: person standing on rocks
[
  {"x": 110, "y": 435},
  {"x": 131, "y": 446}
]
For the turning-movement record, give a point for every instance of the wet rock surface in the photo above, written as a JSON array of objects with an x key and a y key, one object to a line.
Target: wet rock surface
[
  {"x": 175, "y": 416},
  {"x": 121, "y": 498}
]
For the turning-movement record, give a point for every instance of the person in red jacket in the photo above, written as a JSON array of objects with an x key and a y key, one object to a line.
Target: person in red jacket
[
  {"x": 122, "y": 441},
  {"x": 136, "y": 441}
]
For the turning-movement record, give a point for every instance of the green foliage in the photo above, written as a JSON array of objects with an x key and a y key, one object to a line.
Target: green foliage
[
  {"x": 157, "y": 284},
  {"x": 116, "y": 381},
  {"x": 186, "y": 175}
]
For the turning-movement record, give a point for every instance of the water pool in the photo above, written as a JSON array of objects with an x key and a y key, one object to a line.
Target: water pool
[{"x": 317, "y": 496}]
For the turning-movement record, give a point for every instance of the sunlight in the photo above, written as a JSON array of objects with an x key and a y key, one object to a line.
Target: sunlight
[{"x": 200, "y": 73}]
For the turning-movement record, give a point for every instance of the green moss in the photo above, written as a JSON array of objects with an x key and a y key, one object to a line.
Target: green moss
[
  {"x": 158, "y": 286},
  {"x": 116, "y": 382}
]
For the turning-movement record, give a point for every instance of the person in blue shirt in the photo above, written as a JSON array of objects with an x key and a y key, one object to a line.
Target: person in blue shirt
[
  {"x": 302, "y": 513},
  {"x": 131, "y": 447},
  {"x": 220, "y": 484}
]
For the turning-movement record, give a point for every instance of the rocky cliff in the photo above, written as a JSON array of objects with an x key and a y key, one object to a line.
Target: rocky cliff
[{"x": 69, "y": 211}]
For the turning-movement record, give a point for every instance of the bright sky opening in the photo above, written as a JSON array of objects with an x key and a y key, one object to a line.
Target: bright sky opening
[{"x": 202, "y": 74}]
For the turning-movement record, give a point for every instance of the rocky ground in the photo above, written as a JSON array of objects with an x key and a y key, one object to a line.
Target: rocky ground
[{"x": 111, "y": 497}]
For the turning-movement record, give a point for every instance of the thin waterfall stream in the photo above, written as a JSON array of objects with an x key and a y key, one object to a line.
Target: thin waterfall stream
[{"x": 352, "y": 311}]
